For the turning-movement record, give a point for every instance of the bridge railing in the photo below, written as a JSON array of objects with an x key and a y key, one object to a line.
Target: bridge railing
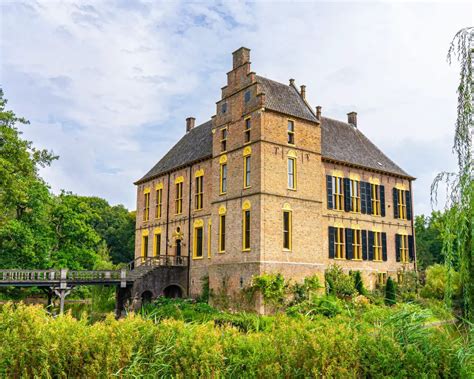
[
  {"x": 29, "y": 275},
  {"x": 93, "y": 275},
  {"x": 159, "y": 260}
]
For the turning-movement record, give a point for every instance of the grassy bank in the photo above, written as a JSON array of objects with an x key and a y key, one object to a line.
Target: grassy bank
[{"x": 184, "y": 339}]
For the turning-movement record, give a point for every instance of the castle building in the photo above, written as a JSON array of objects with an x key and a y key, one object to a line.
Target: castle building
[{"x": 270, "y": 185}]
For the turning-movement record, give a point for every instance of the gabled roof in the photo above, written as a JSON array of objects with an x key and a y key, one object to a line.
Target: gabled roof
[
  {"x": 195, "y": 145},
  {"x": 343, "y": 142},
  {"x": 285, "y": 99}
]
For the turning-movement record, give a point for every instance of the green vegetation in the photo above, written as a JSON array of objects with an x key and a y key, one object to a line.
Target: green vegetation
[
  {"x": 390, "y": 292},
  {"x": 187, "y": 339}
]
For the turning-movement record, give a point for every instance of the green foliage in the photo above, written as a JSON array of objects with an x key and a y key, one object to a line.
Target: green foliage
[
  {"x": 272, "y": 287},
  {"x": 338, "y": 283},
  {"x": 305, "y": 290},
  {"x": 359, "y": 283},
  {"x": 380, "y": 342},
  {"x": 408, "y": 289},
  {"x": 328, "y": 306},
  {"x": 429, "y": 243},
  {"x": 390, "y": 292},
  {"x": 436, "y": 281}
]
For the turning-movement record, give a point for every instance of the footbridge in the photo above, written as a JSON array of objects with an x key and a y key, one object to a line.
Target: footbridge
[{"x": 142, "y": 279}]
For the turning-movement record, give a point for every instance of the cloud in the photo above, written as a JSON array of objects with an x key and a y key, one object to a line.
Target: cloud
[{"x": 107, "y": 84}]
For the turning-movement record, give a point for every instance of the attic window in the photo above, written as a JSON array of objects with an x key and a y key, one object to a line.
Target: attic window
[
  {"x": 224, "y": 108},
  {"x": 247, "y": 96}
]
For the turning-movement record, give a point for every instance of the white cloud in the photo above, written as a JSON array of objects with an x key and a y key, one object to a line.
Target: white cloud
[{"x": 107, "y": 85}]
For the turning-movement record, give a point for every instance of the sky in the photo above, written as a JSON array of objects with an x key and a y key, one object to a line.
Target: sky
[{"x": 107, "y": 85}]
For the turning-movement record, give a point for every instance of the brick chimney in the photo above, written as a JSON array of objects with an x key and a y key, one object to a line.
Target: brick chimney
[
  {"x": 352, "y": 118},
  {"x": 292, "y": 82},
  {"x": 303, "y": 91},
  {"x": 318, "y": 112},
  {"x": 240, "y": 57},
  {"x": 190, "y": 121}
]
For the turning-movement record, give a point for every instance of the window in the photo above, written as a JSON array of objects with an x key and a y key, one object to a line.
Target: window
[
  {"x": 377, "y": 246},
  {"x": 376, "y": 209},
  {"x": 402, "y": 206},
  {"x": 157, "y": 244},
  {"x": 144, "y": 244},
  {"x": 247, "y": 96},
  {"x": 146, "y": 210},
  {"x": 338, "y": 197},
  {"x": 355, "y": 195},
  {"x": 292, "y": 173},
  {"x": 198, "y": 200},
  {"x": 357, "y": 244},
  {"x": 248, "y": 127},
  {"x": 247, "y": 171},
  {"x": 404, "y": 256},
  {"x": 223, "y": 178},
  {"x": 209, "y": 234},
  {"x": 381, "y": 278},
  {"x": 339, "y": 243},
  {"x": 224, "y": 140},
  {"x": 179, "y": 196},
  {"x": 291, "y": 132},
  {"x": 246, "y": 226},
  {"x": 224, "y": 107},
  {"x": 287, "y": 230},
  {"x": 159, "y": 201},
  {"x": 198, "y": 240},
  {"x": 222, "y": 233}
]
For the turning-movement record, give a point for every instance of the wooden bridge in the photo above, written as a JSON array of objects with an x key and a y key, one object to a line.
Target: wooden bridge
[{"x": 61, "y": 281}]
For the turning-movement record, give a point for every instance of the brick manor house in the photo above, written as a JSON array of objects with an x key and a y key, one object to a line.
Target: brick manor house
[{"x": 270, "y": 185}]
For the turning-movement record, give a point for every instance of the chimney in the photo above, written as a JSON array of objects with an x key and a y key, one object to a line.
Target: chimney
[
  {"x": 318, "y": 112},
  {"x": 303, "y": 91},
  {"x": 190, "y": 124},
  {"x": 292, "y": 82},
  {"x": 240, "y": 57},
  {"x": 352, "y": 118}
]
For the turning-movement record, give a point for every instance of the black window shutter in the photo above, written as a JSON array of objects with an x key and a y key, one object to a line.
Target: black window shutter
[
  {"x": 408, "y": 203},
  {"x": 411, "y": 249},
  {"x": 395, "y": 203},
  {"x": 363, "y": 200},
  {"x": 368, "y": 193},
  {"x": 397, "y": 247},
  {"x": 384, "y": 246},
  {"x": 347, "y": 195},
  {"x": 349, "y": 239},
  {"x": 332, "y": 236},
  {"x": 329, "y": 189},
  {"x": 382, "y": 200},
  {"x": 371, "y": 246},
  {"x": 364, "y": 244}
]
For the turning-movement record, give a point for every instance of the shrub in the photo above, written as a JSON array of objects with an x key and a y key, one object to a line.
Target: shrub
[
  {"x": 305, "y": 290},
  {"x": 338, "y": 283},
  {"x": 272, "y": 287},
  {"x": 390, "y": 292},
  {"x": 358, "y": 283},
  {"x": 328, "y": 306},
  {"x": 435, "y": 283}
]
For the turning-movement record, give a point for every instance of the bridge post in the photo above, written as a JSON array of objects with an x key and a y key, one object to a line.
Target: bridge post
[
  {"x": 62, "y": 293},
  {"x": 123, "y": 278}
]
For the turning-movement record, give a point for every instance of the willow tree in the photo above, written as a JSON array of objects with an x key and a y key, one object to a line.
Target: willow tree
[{"x": 458, "y": 228}]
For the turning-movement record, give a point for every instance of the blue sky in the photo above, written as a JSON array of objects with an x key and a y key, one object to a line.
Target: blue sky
[{"x": 107, "y": 85}]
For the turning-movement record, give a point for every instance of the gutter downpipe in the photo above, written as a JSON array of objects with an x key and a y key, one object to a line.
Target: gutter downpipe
[{"x": 189, "y": 227}]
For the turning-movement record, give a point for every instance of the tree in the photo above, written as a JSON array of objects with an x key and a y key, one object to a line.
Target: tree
[
  {"x": 429, "y": 244},
  {"x": 359, "y": 284},
  {"x": 458, "y": 228},
  {"x": 390, "y": 292}
]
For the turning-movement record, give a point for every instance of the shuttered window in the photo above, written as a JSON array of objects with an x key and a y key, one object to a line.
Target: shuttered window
[
  {"x": 357, "y": 244},
  {"x": 377, "y": 246},
  {"x": 402, "y": 207},
  {"x": 375, "y": 194},
  {"x": 339, "y": 252},
  {"x": 354, "y": 195},
  {"x": 402, "y": 249},
  {"x": 338, "y": 196}
]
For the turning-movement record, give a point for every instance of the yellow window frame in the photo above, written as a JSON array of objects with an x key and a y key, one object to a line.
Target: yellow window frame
[
  {"x": 402, "y": 206},
  {"x": 224, "y": 132},
  {"x": 156, "y": 244},
  {"x": 355, "y": 195},
  {"x": 179, "y": 198},
  {"x": 159, "y": 202},
  {"x": 339, "y": 244},
  {"x": 404, "y": 254},
  {"x": 291, "y": 163},
  {"x": 144, "y": 252},
  {"x": 246, "y": 230},
  {"x": 209, "y": 234},
  {"x": 376, "y": 209},
  {"x": 222, "y": 227},
  {"x": 146, "y": 210},
  {"x": 291, "y": 132},
  {"x": 377, "y": 246},
  {"x": 288, "y": 230},
  {"x": 198, "y": 200},
  {"x": 357, "y": 244},
  {"x": 198, "y": 227},
  {"x": 337, "y": 193},
  {"x": 247, "y": 129}
]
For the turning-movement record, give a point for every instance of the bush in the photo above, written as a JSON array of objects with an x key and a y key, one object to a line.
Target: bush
[
  {"x": 435, "y": 283},
  {"x": 390, "y": 292},
  {"x": 272, "y": 287},
  {"x": 328, "y": 306},
  {"x": 358, "y": 283},
  {"x": 338, "y": 283},
  {"x": 304, "y": 291}
]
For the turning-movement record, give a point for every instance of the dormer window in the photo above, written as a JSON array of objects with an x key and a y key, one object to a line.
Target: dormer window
[{"x": 224, "y": 108}]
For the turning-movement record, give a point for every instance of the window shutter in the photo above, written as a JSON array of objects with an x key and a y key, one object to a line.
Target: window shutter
[
  {"x": 411, "y": 249},
  {"x": 384, "y": 246},
  {"x": 397, "y": 247},
  {"x": 368, "y": 193},
  {"x": 364, "y": 244},
  {"x": 347, "y": 195},
  {"x": 363, "y": 200},
  {"x": 395, "y": 203},
  {"x": 382, "y": 200},
  {"x": 329, "y": 189},
  {"x": 349, "y": 238},
  {"x": 408, "y": 203},
  {"x": 332, "y": 236},
  {"x": 371, "y": 246}
]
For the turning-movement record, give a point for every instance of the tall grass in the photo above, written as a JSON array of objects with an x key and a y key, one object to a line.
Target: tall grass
[{"x": 376, "y": 342}]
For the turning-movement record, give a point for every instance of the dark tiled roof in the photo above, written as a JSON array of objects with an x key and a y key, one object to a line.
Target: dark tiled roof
[
  {"x": 194, "y": 146},
  {"x": 285, "y": 99},
  {"x": 345, "y": 143}
]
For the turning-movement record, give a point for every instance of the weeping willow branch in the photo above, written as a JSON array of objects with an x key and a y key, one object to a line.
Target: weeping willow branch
[{"x": 459, "y": 205}]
